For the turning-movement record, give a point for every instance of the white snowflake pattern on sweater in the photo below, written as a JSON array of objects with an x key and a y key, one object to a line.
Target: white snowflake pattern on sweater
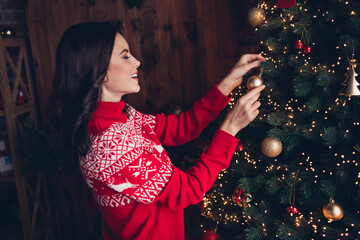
[{"x": 127, "y": 162}]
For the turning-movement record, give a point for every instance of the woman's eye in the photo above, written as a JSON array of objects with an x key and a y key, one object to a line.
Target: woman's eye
[{"x": 126, "y": 57}]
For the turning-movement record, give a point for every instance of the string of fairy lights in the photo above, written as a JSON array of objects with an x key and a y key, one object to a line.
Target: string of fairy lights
[{"x": 306, "y": 161}]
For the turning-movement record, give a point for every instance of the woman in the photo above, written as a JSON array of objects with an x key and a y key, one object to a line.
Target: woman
[{"x": 140, "y": 194}]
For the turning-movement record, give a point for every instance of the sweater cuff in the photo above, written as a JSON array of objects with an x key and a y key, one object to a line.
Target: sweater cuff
[
  {"x": 223, "y": 145},
  {"x": 217, "y": 99}
]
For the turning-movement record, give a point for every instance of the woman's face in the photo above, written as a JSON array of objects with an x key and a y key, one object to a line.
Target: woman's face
[{"x": 121, "y": 77}]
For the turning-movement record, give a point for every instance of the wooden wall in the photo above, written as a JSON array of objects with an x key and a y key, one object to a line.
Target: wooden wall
[{"x": 185, "y": 46}]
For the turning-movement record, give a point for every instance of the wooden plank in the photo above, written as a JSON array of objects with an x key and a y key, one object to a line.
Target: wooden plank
[
  {"x": 226, "y": 30},
  {"x": 187, "y": 51},
  {"x": 17, "y": 74},
  {"x": 164, "y": 89},
  {"x": 37, "y": 205},
  {"x": 38, "y": 35},
  {"x": 23, "y": 108},
  {"x": 4, "y": 82},
  {"x": 12, "y": 42},
  {"x": 138, "y": 30},
  {"x": 29, "y": 79},
  {"x": 247, "y": 41},
  {"x": 20, "y": 66},
  {"x": 207, "y": 43},
  {"x": 188, "y": 64},
  {"x": 54, "y": 26},
  {"x": 132, "y": 29},
  {"x": 185, "y": 11}
]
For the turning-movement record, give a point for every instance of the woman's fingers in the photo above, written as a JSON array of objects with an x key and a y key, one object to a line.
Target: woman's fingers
[
  {"x": 255, "y": 113},
  {"x": 255, "y": 106},
  {"x": 247, "y": 106},
  {"x": 252, "y": 65},
  {"x": 249, "y": 99},
  {"x": 247, "y": 58},
  {"x": 246, "y": 63},
  {"x": 242, "y": 69},
  {"x": 244, "y": 111},
  {"x": 253, "y": 99},
  {"x": 253, "y": 92}
]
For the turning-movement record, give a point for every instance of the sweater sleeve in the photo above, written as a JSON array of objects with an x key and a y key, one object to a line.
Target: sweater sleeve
[
  {"x": 174, "y": 130},
  {"x": 186, "y": 188},
  {"x": 146, "y": 175}
]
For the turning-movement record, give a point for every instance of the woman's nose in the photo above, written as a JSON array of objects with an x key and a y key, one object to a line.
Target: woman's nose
[{"x": 137, "y": 63}]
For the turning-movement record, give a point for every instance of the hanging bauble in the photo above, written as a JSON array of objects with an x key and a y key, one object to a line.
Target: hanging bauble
[
  {"x": 333, "y": 211},
  {"x": 256, "y": 16},
  {"x": 307, "y": 49},
  {"x": 246, "y": 199},
  {"x": 240, "y": 147},
  {"x": 211, "y": 235},
  {"x": 351, "y": 86},
  {"x": 254, "y": 81},
  {"x": 241, "y": 198},
  {"x": 298, "y": 44},
  {"x": 292, "y": 210},
  {"x": 286, "y": 3},
  {"x": 7, "y": 32},
  {"x": 271, "y": 147}
]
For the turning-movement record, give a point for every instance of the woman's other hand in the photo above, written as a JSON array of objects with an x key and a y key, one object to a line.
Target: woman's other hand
[
  {"x": 244, "y": 111},
  {"x": 246, "y": 63}
]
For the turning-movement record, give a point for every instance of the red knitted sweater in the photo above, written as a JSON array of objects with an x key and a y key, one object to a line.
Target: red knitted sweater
[{"x": 140, "y": 194}]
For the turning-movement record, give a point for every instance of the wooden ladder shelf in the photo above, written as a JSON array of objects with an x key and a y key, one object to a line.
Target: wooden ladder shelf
[{"x": 15, "y": 76}]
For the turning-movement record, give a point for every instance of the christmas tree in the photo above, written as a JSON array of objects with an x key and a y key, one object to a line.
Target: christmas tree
[{"x": 296, "y": 173}]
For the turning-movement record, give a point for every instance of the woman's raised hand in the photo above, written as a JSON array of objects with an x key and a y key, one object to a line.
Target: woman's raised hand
[
  {"x": 246, "y": 63},
  {"x": 244, "y": 111}
]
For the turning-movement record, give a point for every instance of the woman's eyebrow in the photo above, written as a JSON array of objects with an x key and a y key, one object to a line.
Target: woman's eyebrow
[{"x": 125, "y": 50}]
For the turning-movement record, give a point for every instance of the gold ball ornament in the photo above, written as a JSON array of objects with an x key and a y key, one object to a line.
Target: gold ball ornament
[
  {"x": 271, "y": 147},
  {"x": 333, "y": 211},
  {"x": 256, "y": 16},
  {"x": 254, "y": 81}
]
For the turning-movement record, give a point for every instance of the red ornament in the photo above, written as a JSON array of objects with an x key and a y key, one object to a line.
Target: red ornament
[
  {"x": 20, "y": 98},
  {"x": 298, "y": 44},
  {"x": 292, "y": 210},
  {"x": 307, "y": 49},
  {"x": 237, "y": 195},
  {"x": 210, "y": 235},
  {"x": 286, "y": 3},
  {"x": 241, "y": 198},
  {"x": 240, "y": 147}
]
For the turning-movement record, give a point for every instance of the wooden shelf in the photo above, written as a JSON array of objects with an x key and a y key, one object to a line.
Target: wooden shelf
[
  {"x": 29, "y": 193},
  {"x": 20, "y": 109}
]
